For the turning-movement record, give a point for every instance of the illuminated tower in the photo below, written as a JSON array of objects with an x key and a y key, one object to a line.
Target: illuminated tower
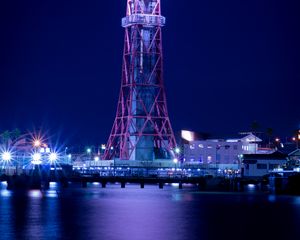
[{"x": 142, "y": 129}]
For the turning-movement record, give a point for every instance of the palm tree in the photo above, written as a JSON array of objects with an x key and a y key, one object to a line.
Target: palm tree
[
  {"x": 6, "y": 136},
  {"x": 255, "y": 126},
  {"x": 15, "y": 134}
]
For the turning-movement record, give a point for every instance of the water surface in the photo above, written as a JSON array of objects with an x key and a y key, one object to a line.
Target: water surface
[{"x": 151, "y": 213}]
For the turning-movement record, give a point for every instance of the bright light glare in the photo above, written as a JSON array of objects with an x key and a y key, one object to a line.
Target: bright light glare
[
  {"x": 36, "y": 156},
  {"x": 36, "y": 159},
  {"x": 6, "y": 156},
  {"x": 175, "y": 160},
  {"x": 188, "y": 135},
  {"x": 53, "y": 157},
  {"x": 97, "y": 159},
  {"x": 37, "y": 143},
  {"x": 177, "y": 150}
]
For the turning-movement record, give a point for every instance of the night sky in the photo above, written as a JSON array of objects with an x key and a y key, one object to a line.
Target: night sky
[{"x": 227, "y": 63}]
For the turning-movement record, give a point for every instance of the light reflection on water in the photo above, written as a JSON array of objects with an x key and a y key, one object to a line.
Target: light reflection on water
[
  {"x": 151, "y": 213},
  {"x": 35, "y": 194},
  {"x": 5, "y": 193}
]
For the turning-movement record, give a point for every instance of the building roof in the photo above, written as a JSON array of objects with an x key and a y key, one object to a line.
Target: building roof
[
  {"x": 295, "y": 153},
  {"x": 251, "y": 138},
  {"x": 287, "y": 148}
]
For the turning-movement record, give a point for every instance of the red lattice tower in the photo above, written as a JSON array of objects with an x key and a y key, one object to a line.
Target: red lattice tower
[{"x": 142, "y": 129}]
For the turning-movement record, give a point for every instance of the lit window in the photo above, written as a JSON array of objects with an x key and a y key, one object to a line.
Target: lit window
[
  {"x": 209, "y": 159},
  {"x": 245, "y": 148},
  {"x": 192, "y": 146},
  {"x": 201, "y": 146},
  {"x": 209, "y": 146}
]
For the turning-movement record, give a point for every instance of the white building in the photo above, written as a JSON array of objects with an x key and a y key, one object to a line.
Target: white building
[
  {"x": 258, "y": 165},
  {"x": 225, "y": 153}
]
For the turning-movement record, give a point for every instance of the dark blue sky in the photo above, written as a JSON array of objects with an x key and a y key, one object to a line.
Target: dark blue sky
[{"x": 227, "y": 63}]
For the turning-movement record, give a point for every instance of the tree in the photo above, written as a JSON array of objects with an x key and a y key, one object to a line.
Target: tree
[
  {"x": 6, "y": 136},
  {"x": 255, "y": 126},
  {"x": 15, "y": 134}
]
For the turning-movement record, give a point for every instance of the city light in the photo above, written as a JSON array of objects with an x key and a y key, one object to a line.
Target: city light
[
  {"x": 6, "y": 156},
  {"x": 53, "y": 157},
  {"x": 277, "y": 139},
  {"x": 96, "y": 158},
  {"x": 175, "y": 160},
  {"x": 37, "y": 143},
  {"x": 89, "y": 150},
  {"x": 177, "y": 150},
  {"x": 36, "y": 159},
  {"x": 188, "y": 135}
]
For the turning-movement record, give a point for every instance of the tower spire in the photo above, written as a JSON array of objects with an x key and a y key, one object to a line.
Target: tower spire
[{"x": 142, "y": 129}]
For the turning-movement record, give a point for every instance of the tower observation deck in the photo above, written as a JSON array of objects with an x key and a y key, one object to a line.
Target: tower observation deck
[{"x": 142, "y": 129}]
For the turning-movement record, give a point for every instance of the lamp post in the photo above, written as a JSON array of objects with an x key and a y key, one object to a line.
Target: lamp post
[{"x": 175, "y": 160}]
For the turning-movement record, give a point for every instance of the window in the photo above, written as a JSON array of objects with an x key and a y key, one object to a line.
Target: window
[
  {"x": 201, "y": 146},
  {"x": 245, "y": 148},
  {"x": 262, "y": 166},
  {"x": 192, "y": 146},
  {"x": 209, "y": 159},
  {"x": 273, "y": 166},
  {"x": 209, "y": 146}
]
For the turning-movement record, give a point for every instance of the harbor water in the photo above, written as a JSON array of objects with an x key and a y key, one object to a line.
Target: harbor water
[{"x": 150, "y": 213}]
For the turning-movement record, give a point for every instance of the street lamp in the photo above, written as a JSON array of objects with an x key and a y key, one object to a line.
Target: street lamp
[
  {"x": 6, "y": 156},
  {"x": 53, "y": 157},
  {"x": 175, "y": 160},
  {"x": 37, "y": 143},
  {"x": 36, "y": 158}
]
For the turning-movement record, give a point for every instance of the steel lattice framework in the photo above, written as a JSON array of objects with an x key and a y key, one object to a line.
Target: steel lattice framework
[{"x": 142, "y": 129}]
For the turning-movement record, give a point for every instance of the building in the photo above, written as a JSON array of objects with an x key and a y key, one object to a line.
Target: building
[
  {"x": 258, "y": 165},
  {"x": 294, "y": 158},
  {"x": 223, "y": 153}
]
